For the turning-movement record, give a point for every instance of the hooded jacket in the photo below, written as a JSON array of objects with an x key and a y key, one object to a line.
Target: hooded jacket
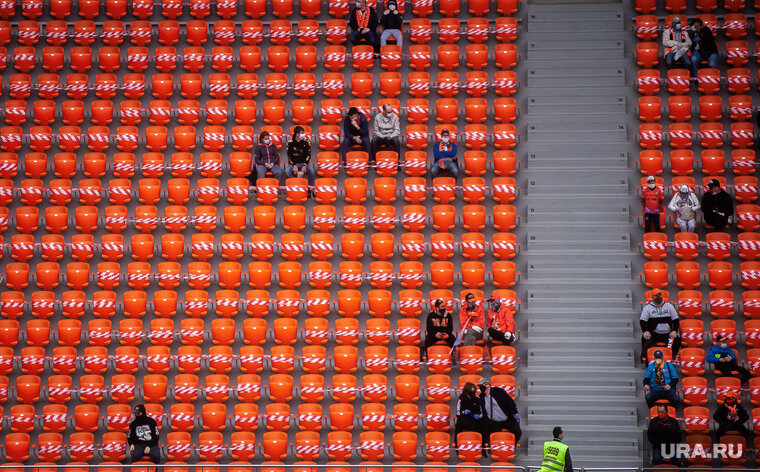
[
  {"x": 437, "y": 323},
  {"x": 724, "y": 415},
  {"x": 720, "y": 202},
  {"x": 717, "y": 353},
  {"x": 353, "y": 22},
  {"x": 143, "y": 431},
  {"x": 706, "y": 43},
  {"x": 263, "y": 154},
  {"x": 478, "y": 317},
  {"x": 503, "y": 319},
  {"x": 659, "y": 319}
]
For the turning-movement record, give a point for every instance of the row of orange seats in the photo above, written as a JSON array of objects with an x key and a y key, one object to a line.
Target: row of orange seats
[
  {"x": 721, "y": 304},
  {"x": 720, "y": 274},
  {"x": 712, "y": 162},
  {"x": 737, "y": 80},
  {"x": 283, "y": 9},
  {"x": 734, "y": 25},
  {"x": 226, "y": 32},
  {"x": 679, "y": 108},
  {"x": 687, "y": 245},
  {"x": 711, "y": 135},
  {"x": 647, "y": 7}
]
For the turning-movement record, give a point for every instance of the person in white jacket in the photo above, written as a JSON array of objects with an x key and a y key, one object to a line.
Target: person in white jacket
[
  {"x": 677, "y": 44},
  {"x": 685, "y": 205}
]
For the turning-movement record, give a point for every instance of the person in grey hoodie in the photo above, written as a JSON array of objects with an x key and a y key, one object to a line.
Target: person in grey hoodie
[
  {"x": 387, "y": 130},
  {"x": 659, "y": 325}
]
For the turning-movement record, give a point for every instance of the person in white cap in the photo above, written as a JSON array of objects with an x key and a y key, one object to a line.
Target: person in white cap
[
  {"x": 685, "y": 205},
  {"x": 677, "y": 43}
]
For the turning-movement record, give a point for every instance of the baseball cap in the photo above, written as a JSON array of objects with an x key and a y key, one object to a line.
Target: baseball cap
[{"x": 658, "y": 354}]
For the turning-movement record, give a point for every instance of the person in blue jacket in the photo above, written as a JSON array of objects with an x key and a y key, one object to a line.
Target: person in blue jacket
[
  {"x": 723, "y": 359},
  {"x": 660, "y": 381},
  {"x": 445, "y": 156},
  {"x": 355, "y": 132}
]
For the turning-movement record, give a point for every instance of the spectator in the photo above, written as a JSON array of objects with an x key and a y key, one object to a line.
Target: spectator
[
  {"x": 439, "y": 327},
  {"x": 723, "y": 358},
  {"x": 659, "y": 325},
  {"x": 677, "y": 43},
  {"x": 392, "y": 22},
  {"x": 355, "y": 132},
  {"x": 445, "y": 156},
  {"x": 143, "y": 436},
  {"x": 685, "y": 205},
  {"x": 501, "y": 322},
  {"x": 469, "y": 412},
  {"x": 499, "y": 410},
  {"x": 556, "y": 454},
  {"x": 471, "y": 320},
  {"x": 299, "y": 155},
  {"x": 652, "y": 199},
  {"x": 730, "y": 416},
  {"x": 362, "y": 22},
  {"x": 717, "y": 206},
  {"x": 703, "y": 47},
  {"x": 266, "y": 156},
  {"x": 387, "y": 130},
  {"x": 660, "y": 381},
  {"x": 663, "y": 432}
]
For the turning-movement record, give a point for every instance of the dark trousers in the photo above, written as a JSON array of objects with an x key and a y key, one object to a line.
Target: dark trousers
[
  {"x": 357, "y": 37},
  {"x": 348, "y": 143},
  {"x": 651, "y": 222},
  {"x": 724, "y": 428},
  {"x": 497, "y": 335},
  {"x": 716, "y": 221},
  {"x": 728, "y": 368},
  {"x": 276, "y": 171},
  {"x": 511, "y": 425},
  {"x": 468, "y": 423},
  {"x": 669, "y": 395},
  {"x": 659, "y": 339},
  {"x": 384, "y": 143},
  {"x": 670, "y": 61},
  {"x": 154, "y": 454}
]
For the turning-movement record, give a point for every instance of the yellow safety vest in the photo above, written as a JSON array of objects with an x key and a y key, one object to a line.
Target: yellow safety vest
[{"x": 554, "y": 457}]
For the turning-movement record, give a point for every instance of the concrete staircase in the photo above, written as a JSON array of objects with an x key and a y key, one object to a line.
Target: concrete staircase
[{"x": 579, "y": 203}]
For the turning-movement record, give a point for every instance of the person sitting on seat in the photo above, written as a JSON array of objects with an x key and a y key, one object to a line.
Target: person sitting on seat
[
  {"x": 723, "y": 358},
  {"x": 659, "y": 325},
  {"x": 471, "y": 320},
  {"x": 299, "y": 155},
  {"x": 703, "y": 47},
  {"x": 387, "y": 130},
  {"x": 685, "y": 205},
  {"x": 355, "y": 133},
  {"x": 445, "y": 156},
  {"x": 501, "y": 322},
  {"x": 143, "y": 436},
  {"x": 392, "y": 22},
  {"x": 660, "y": 381},
  {"x": 664, "y": 432},
  {"x": 499, "y": 410},
  {"x": 362, "y": 22},
  {"x": 730, "y": 416},
  {"x": 439, "y": 328},
  {"x": 717, "y": 206},
  {"x": 266, "y": 156},
  {"x": 469, "y": 413},
  {"x": 677, "y": 43}
]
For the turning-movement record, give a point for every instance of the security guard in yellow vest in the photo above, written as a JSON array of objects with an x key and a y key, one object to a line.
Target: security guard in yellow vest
[{"x": 556, "y": 454}]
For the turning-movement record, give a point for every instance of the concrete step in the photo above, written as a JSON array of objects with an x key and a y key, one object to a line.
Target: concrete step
[
  {"x": 575, "y": 156},
  {"x": 555, "y": 130},
  {"x": 538, "y": 75},
  {"x": 586, "y": 446},
  {"x": 567, "y": 184},
  {"x": 619, "y": 270},
  {"x": 547, "y": 213},
  {"x": 579, "y": 240},
  {"x": 573, "y": 386},
  {"x": 556, "y": 22},
  {"x": 569, "y": 300},
  {"x": 557, "y": 326},
  {"x": 576, "y": 104},
  {"x": 601, "y": 417},
  {"x": 575, "y": 49}
]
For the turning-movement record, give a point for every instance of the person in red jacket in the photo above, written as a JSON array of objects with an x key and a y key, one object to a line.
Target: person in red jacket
[
  {"x": 652, "y": 200},
  {"x": 501, "y": 322},
  {"x": 472, "y": 320}
]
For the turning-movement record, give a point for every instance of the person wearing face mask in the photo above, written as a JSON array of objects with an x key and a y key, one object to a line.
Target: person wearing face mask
[
  {"x": 362, "y": 22},
  {"x": 677, "y": 45},
  {"x": 266, "y": 157},
  {"x": 652, "y": 199},
  {"x": 299, "y": 155},
  {"x": 471, "y": 320},
  {"x": 717, "y": 206},
  {"x": 143, "y": 436},
  {"x": 703, "y": 47},
  {"x": 730, "y": 416},
  {"x": 392, "y": 22},
  {"x": 663, "y": 432},
  {"x": 468, "y": 413},
  {"x": 439, "y": 327},
  {"x": 723, "y": 358},
  {"x": 445, "y": 156},
  {"x": 501, "y": 322},
  {"x": 387, "y": 129},
  {"x": 660, "y": 381},
  {"x": 355, "y": 133},
  {"x": 499, "y": 410},
  {"x": 556, "y": 454},
  {"x": 659, "y": 326},
  {"x": 685, "y": 205}
]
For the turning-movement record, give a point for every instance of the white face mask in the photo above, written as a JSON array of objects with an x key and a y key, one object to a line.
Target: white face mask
[
  {"x": 387, "y": 114},
  {"x": 445, "y": 139},
  {"x": 266, "y": 141},
  {"x": 723, "y": 345},
  {"x": 302, "y": 135},
  {"x": 391, "y": 7},
  {"x": 652, "y": 186}
]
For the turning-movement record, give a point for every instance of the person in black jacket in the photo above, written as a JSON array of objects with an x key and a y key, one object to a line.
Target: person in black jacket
[
  {"x": 717, "y": 206},
  {"x": 355, "y": 133},
  {"x": 439, "y": 327},
  {"x": 663, "y": 432},
  {"x": 730, "y": 416},
  {"x": 469, "y": 413},
  {"x": 499, "y": 410},
  {"x": 703, "y": 47},
  {"x": 362, "y": 21},
  {"x": 392, "y": 22},
  {"x": 299, "y": 155},
  {"x": 143, "y": 436}
]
